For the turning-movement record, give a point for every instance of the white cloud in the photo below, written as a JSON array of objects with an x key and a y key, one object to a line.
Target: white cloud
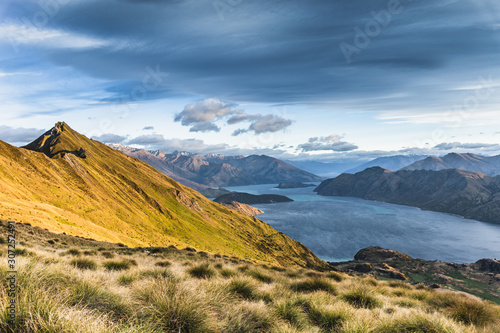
[
  {"x": 200, "y": 115},
  {"x": 332, "y": 142},
  {"x": 109, "y": 138},
  {"x": 467, "y": 146},
  {"x": 19, "y": 135},
  {"x": 18, "y": 34}
]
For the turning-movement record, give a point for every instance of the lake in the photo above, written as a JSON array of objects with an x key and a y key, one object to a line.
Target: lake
[{"x": 335, "y": 228}]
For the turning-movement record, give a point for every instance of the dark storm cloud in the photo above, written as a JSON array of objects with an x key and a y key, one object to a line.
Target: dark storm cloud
[{"x": 281, "y": 51}]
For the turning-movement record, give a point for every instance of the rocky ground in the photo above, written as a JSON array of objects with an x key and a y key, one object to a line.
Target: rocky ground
[{"x": 481, "y": 279}]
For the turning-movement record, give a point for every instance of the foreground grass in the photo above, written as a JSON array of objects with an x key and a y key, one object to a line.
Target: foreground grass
[{"x": 186, "y": 291}]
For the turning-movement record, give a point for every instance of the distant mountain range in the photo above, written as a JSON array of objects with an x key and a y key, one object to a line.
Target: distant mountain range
[
  {"x": 392, "y": 163},
  {"x": 472, "y": 162},
  {"x": 201, "y": 171},
  {"x": 65, "y": 182},
  {"x": 325, "y": 169},
  {"x": 466, "y": 193}
]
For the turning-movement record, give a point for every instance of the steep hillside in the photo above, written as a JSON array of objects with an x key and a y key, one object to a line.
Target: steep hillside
[
  {"x": 472, "y": 162},
  {"x": 469, "y": 194},
  {"x": 392, "y": 163},
  {"x": 67, "y": 183},
  {"x": 199, "y": 172}
]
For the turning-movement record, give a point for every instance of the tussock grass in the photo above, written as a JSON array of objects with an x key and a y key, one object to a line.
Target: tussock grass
[
  {"x": 260, "y": 276},
  {"x": 117, "y": 265},
  {"x": 74, "y": 252},
  {"x": 243, "y": 287},
  {"x": 328, "y": 318},
  {"x": 249, "y": 317},
  {"x": 203, "y": 271},
  {"x": 335, "y": 276},
  {"x": 115, "y": 296},
  {"x": 226, "y": 272},
  {"x": 314, "y": 284},
  {"x": 174, "y": 309},
  {"x": 164, "y": 263},
  {"x": 84, "y": 263},
  {"x": 127, "y": 279},
  {"x": 107, "y": 254},
  {"x": 361, "y": 297}
]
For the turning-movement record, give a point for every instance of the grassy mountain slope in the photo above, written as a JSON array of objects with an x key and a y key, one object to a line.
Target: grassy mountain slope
[
  {"x": 68, "y": 183},
  {"x": 73, "y": 285}
]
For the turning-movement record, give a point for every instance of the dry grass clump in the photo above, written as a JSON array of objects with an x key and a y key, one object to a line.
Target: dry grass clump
[
  {"x": 74, "y": 252},
  {"x": 117, "y": 265},
  {"x": 164, "y": 263},
  {"x": 314, "y": 284},
  {"x": 258, "y": 275},
  {"x": 202, "y": 271},
  {"x": 84, "y": 263},
  {"x": 362, "y": 297},
  {"x": 466, "y": 309},
  {"x": 98, "y": 295},
  {"x": 173, "y": 309}
]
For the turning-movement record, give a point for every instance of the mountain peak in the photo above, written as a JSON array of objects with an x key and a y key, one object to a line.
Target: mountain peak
[{"x": 59, "y": 141}]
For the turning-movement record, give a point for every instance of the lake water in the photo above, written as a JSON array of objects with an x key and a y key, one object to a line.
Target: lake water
[{"x": 335, "y": 228}]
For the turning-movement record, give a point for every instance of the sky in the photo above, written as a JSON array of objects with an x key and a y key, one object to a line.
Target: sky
[{"x": 304, "y": 80}]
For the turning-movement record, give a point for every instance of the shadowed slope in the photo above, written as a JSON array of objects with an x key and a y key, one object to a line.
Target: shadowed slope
[
  {"x": 470, "y": 194},
  {"x": 68, "y": 183}
]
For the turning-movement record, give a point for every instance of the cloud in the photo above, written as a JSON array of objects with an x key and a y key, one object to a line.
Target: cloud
[
  {"x": 201, "y": 114},
  {"x": 148, "y": 139},
  {"x": 148, "y": 128},
  {"x": 110, "y": 138},
  {"x": 269, "y": 123},
  {"x": 271, "y": 52},
  {"x": 475, "y": 146},
  {"x": 242, "y": 117},
  {"x": 262, "y": 124},
  {"x": 20, "y": 134},
  {"x": 157, "y": 141},
  {"x": 204, "y": 127},
  {"x": 331, "y": 142}
]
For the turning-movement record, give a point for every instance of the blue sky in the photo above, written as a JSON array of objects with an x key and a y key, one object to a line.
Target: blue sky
[{"x": 294, "y": 79}]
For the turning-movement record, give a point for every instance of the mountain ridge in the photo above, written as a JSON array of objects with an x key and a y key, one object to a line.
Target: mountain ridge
[
  {"x": 109, "y": 196},
  {"x": 461, "y": 192},
  {"x": 215, "y": 170},
  {"x": 489, "y": 165}
]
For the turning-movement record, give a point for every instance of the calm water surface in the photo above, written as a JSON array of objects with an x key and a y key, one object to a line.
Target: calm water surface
[{"x": 335, "y": 228}]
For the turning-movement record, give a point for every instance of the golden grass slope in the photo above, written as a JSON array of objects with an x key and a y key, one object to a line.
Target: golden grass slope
[
  {"x": 72, "y": 285},
  {"x": 68, "y": 183}
]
